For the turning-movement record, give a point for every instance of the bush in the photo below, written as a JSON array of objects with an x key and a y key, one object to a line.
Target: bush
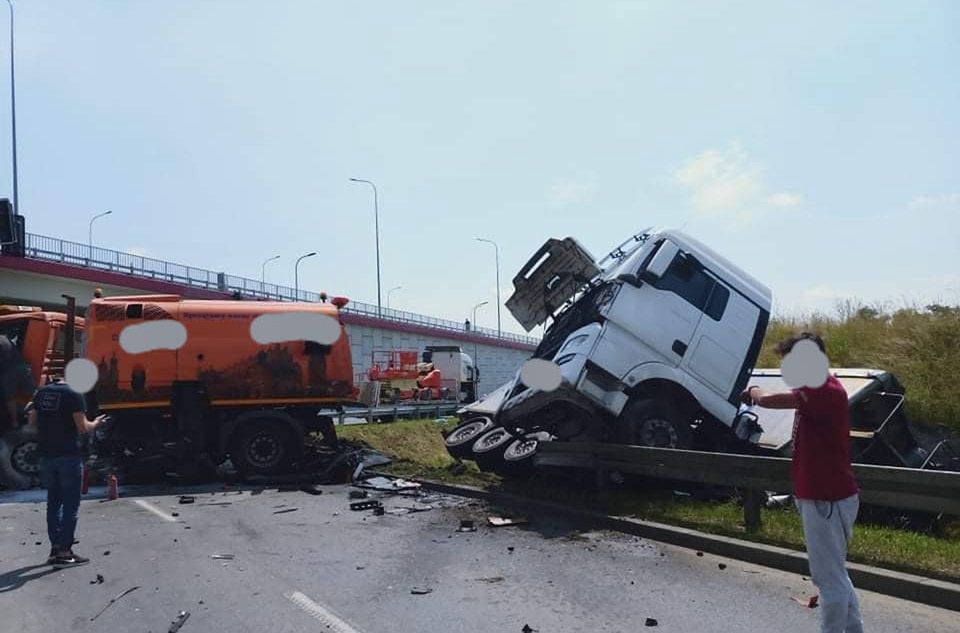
[{"x": 921, "y": 347}]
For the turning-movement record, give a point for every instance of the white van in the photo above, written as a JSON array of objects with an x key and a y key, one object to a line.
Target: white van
[{"x": 655, "y": 342}]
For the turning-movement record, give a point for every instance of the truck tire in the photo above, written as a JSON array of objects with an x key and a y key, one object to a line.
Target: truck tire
[
  {"x": 20, "y": 459},
  {"x": 460, "y": 440},
  {"x": 265, "y": 447},
  {"x": 488, "y": 448},
  {"x": 519, "y": 454},
  {"x": 652, "y": 422}
]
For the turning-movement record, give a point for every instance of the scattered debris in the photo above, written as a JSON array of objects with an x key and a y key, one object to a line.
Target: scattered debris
[
  {"x": 366, "y": 505},
  {"x": 387, "y": 484},
  {"x": 185, "y": 499},
  {"x": 699, "y": 553},
  {"x": 505, "y": 521},
  {"x": 528, "y": 629},
  {"x": 114, "y": 599},
  {"x": 651, "y": 622},
  {"x": 359, "y": 494},
  {"x": 359, "y": 567},
  {"x": 174, "y": 514},
  {"x": 98, "y": 580},
  {"x": 466, "y": 525},
  {"x": 106, "y": 553},
  {"x": 286, "y": 510},
  {"x": 420, "y": 592},
  {"x": 178, "y": 621},
  {"x": 408, "y": 510},
  {"x": 510, "y": 549},
  {"x": 722, "y": 566},
  {"x": 313, "y": 490},
  {"x": 811, "y": 603},
  {"x": 492, "y": 579},
  {"x": 378, "y": 511},
  {"x": 219, "y": 503},
  {"x": 222, "y": 556},
  {"x": 38, "y": 543}
]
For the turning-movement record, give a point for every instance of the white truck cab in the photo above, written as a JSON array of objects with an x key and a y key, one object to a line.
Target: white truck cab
[{"x": 655, "y": 342}]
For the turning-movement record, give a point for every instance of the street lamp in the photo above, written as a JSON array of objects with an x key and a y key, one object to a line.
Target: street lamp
[
  {"x": 296, "y": 275},
  {"x": 476, "y": 352},
  {"x": 376, "y": 225},
  {"x": 13, "y": 116},
  {"x": 388, "y": 294},
  {"x": 263, "y": 269},
  {"x": 497, "y": 255},
  {"x": 475, "y": 308},
  {"x": 90, "y": 230}
]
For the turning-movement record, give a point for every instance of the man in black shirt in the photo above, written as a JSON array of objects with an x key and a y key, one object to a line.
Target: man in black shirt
[{"x": 59, "y": 413}]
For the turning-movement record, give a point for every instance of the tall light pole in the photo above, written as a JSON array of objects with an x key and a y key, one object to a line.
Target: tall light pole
[
  {"x": 90, "y": 230},
  {"x": 388, "y": 294},
  {"x": 476, "y": 353},
  {"x": 296, "y": 275},
  {"x": 263, "y": 269},
  {"x": 376, "y": 226},
  {"x": 475, "y": 308},
  {"x": 13, "y": 116},
  {"x": 497, "y": 255}
]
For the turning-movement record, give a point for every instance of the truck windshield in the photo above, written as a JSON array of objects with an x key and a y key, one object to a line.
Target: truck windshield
[{"x": 584, "y": 310}]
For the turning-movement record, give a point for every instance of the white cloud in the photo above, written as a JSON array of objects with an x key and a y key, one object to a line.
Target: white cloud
[
  {"x": 943, "y": 201},
  {"x": 726, "y": 183},
  {"x": 567, "y": 191}
]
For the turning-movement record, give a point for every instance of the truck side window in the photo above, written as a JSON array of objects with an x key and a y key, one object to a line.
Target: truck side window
[
  {"x": 717, "y": 302},
  {"x": 686, "y": 279}
]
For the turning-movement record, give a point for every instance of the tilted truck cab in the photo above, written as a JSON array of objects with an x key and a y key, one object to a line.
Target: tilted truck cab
[{"x": 654, "y": 343}]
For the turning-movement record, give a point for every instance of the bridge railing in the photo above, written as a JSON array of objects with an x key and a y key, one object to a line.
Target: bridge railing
[{"x": 96, "y": 257}]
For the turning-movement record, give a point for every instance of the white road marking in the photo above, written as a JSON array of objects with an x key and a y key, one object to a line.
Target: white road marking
[
  {"x": 146, "y": 505},
  {"x": 320, "y": 613}
]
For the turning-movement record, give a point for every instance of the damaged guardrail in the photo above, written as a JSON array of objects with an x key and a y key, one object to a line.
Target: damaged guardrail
[{"x": 903, "y": 488}]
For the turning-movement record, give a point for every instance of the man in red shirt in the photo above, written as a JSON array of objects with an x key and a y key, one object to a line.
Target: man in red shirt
[{"x": 825, "y": 490}]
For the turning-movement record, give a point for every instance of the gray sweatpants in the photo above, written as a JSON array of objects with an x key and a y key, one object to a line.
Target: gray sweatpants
[{"x": 827, "y": 528}]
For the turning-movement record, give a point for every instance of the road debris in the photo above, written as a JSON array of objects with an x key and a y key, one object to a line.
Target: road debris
[
  {"x": 185, "y": 499},
  {"x": 408, "y": 510},
  {"x": 98, "y": 580},
  {"x": 491, "y": 580},
  {"x": 372, "y": 504},
  {"x": 106, "y": 553},
  {"x": 505, "y": 521},
  {"x": 651, "y": 622},
  {"x": 178, "y": 621},
  {"x": 312, "y": 490},
  {"x": 699, "y": 553},
  {"x": 386, "y": 484},
  {"x": 417, "y": 591},
  {"x": 285, "y": 510},
  {"x": 222, "y": 556},
  {"x": 528, "y": 629},
  {"x": 359, "y": 494},
  {"x": 722, "y": 566},
  {"x": 466, "y": 525},
  {"x": 114, "y": 599}
]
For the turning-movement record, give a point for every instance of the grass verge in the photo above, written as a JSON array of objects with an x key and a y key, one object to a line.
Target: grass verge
[{"x": 418, "y": 451}]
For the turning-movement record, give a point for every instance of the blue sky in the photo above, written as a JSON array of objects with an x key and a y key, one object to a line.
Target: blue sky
[{"x": 815, "y": 144}]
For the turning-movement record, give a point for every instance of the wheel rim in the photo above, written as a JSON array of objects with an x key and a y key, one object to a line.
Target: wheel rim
[
  {"x": 264, "y": 449},
  {"x": 26, "y": 459},
  {"x": 491, "y": 440},
  {"x": 466, "y": 433},
  {"x": 659, "y": 433},
  {"x": 521, "y": 449}
]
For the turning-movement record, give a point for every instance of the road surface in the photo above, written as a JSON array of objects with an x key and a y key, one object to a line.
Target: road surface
[{"x": 326, "y": 568}]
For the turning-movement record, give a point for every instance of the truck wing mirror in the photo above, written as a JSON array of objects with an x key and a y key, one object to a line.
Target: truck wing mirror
[
  {"x": 629, "y": 278},
  {"x": 661, "y": 260}
]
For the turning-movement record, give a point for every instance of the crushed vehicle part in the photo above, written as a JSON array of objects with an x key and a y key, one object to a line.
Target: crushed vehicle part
[
  {"x": 651, "y": 622},
  {"x": 359, "y": 494},
  {"x": 417, "y": 591},
  {"x": 387, "y": 484},
  {"x": 365, "y": 505}
]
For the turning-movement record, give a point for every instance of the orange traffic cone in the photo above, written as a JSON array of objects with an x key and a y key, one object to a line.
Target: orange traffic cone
[{"x": 112, "y": 492}]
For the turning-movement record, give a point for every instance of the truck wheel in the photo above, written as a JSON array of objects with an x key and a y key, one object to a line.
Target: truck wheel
[
  {"x": 264, "y": 447},
  {"x": 518, "y": 457},
  {"x": 651, "y": 422},
  {"x": 461, "y": 438},
  {"x": 489, "y": 447},
  {"x": 20, "y": 459}
]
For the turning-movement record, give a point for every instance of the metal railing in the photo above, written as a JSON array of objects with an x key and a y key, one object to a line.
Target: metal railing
[{"x": 77, "y": 254}]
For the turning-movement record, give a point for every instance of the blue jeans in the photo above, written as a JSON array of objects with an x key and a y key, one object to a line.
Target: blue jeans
[{"x": 63, "y": 477}]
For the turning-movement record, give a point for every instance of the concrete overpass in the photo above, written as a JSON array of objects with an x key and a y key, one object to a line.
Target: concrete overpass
[{"x": 52, "y": 267}]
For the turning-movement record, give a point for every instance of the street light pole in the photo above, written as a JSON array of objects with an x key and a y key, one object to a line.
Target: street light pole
[
  {"x": 13, "y": 116},
  {"x": 388, "y": 294},
  {"x": 263, "y": 269},
  {"x": 376, "y": 225},
  {"x": 497, "y": 255},
  {"x": 476, "y": 353},
  {"x": 90, "y": 230},
  {"x": 296, "y": 275}
]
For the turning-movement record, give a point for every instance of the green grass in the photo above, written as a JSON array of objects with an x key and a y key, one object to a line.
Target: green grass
[
  {"x": 921, "y": 347},
  {"x": 418, "y": 451}
]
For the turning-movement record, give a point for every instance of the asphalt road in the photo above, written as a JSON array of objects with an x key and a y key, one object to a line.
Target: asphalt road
[{"x": 326, "y": 568}]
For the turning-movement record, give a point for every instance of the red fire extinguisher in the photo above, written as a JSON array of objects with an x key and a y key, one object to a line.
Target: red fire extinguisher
[
  {"x": 112, "y": 492},
  {"x": 85, "y": 483}
]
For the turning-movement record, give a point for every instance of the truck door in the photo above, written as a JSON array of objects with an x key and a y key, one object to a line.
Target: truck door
[{"x": 654, "y": 318}]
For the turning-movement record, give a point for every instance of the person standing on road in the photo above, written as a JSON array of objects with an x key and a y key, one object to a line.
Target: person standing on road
[
  {"x": 59, "y": 413},
  {"x": 15, "y": 379},
  {"x": 825, "y": 489}
]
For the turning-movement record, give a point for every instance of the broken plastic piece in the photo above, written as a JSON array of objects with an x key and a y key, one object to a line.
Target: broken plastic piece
[
  {"x": 467, "y": 525},
  {"x": 504, "y": 521},
  {"x": 222, "y": 556},
  {"x": 528, "y": 629},
  {"x": 722, "y": 566},
  {"x": 387, "y": 484},
  {"x": 366, "y": 505},
  {"x": 178, "y": 621},
  {"x": 651, "y": 622},
  {"x": 420, "y": 592},
  {"x": 98, "y": 580},
  {"x": 187, "y": 499}
]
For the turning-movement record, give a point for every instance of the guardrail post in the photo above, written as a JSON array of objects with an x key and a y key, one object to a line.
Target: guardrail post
[{"x": 752, "y": 502}]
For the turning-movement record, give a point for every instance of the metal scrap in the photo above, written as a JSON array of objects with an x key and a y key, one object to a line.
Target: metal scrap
[
  {"x": 114, "y": 599},
  {"x": 285, "y": 510},
  {"x": 222, "y": 556},
  {"x": 387, "y": 484},
  {"x": 182, "y": 617},
  {"x": 366, "y": 505},
  {"x": 184, "y": 499}
]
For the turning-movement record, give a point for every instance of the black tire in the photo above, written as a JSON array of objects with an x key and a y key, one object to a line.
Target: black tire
[
  {"x": 488, "y": 449},
  {"x": 460, "y": 440},
  {"x": 651, "y": 422},
  {"x": 519, "y": 455},
  {"x": 265, "y": 447},
  {"x": 20, "y": 459}
]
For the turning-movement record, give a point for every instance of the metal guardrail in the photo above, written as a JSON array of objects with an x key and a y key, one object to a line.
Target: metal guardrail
[
  {"x": 905, "y": 488},
  {"x": 393, "y": 412},
  {"x": 77, "y": 254}
]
